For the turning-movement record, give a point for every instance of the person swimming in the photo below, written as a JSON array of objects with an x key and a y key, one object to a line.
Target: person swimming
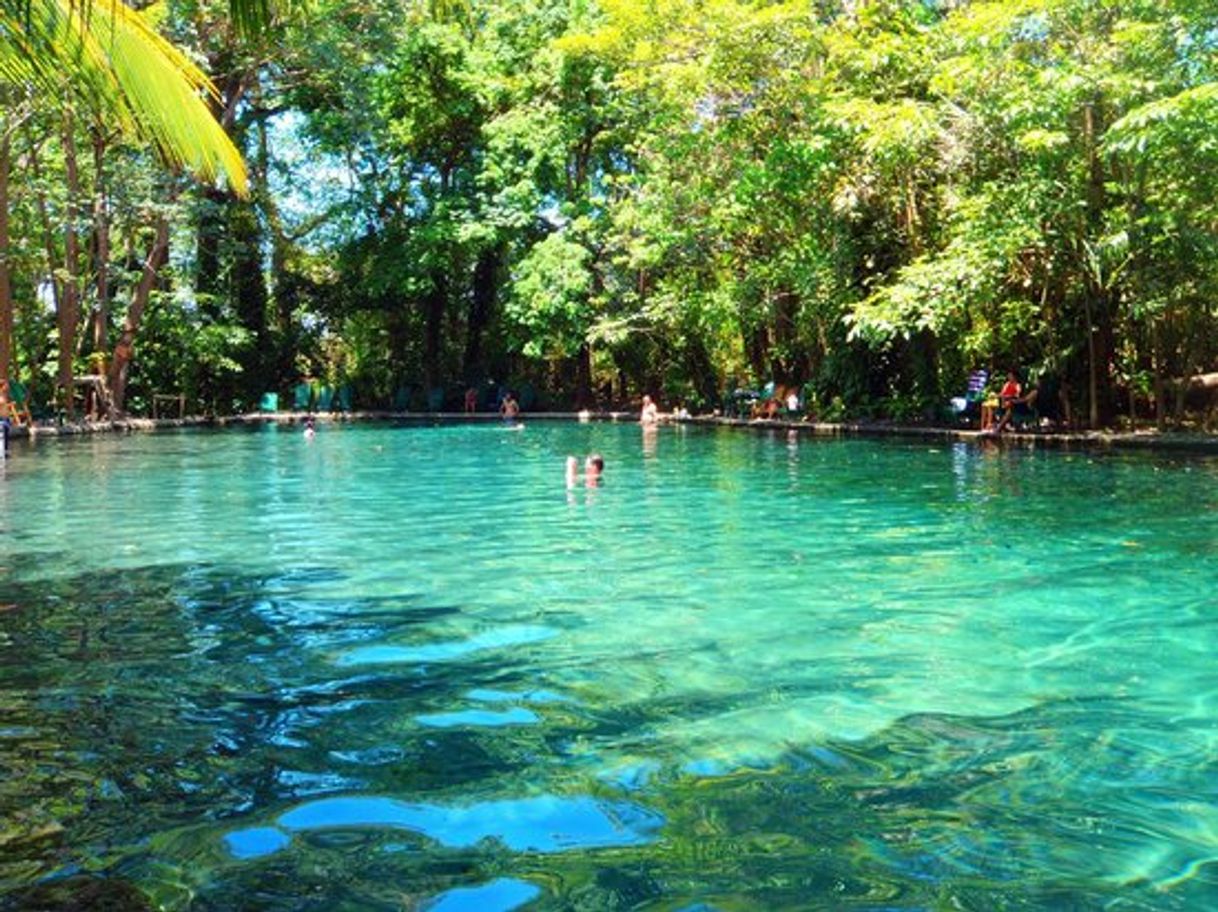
[
  {"x": 594, "y": 467},
  {"x": 309, "y": 431}
]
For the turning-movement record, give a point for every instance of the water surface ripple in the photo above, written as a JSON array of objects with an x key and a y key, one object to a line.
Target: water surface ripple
[{"x": 400, "y": 668}]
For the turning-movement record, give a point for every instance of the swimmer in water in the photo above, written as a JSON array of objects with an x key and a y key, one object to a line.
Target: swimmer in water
[
  {"x": 594, "y": 467},
  {"x": 309, "y": 431}
]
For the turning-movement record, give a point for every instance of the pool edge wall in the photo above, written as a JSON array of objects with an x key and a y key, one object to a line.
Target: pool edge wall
[{"x": 1151, "y": 441}]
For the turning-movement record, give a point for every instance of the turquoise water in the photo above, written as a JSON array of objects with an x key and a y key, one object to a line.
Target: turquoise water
[{"x": 399, "y": 668}]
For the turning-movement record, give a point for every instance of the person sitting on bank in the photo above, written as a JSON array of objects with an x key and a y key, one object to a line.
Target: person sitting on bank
[{"x": 1012, "y": 399}]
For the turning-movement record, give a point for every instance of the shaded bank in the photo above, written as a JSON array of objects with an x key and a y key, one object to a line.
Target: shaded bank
[{"x": 1140, "y": 440}]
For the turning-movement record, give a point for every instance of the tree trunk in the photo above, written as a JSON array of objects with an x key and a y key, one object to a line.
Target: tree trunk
[
  {"x": 480, "y": 303},
  {"x": 213, "y": 204},
  {"x": 784, "y": 336},
  {"x": 757, "y": 349},
  {"x": 433, "y": 331},
  {"x": 282, "y": 292},
  {"x": 124, "y": 349},
  {"x": 6, "y": 288},
  {"x": 1093, "y": 397},
  {"x": 701, "y": 369},
  {"x": 249, "y": 289},
  {"x": 1098, "y": 301},
  {"x": 1160, "y": 392},
  {"x": 583, "y": 377},
  {"x": 213, "y": 216},
  {"x": 48, "y": 232},
  {"x": 101, "y": 245},
  {"x": 69, "y": 305}
]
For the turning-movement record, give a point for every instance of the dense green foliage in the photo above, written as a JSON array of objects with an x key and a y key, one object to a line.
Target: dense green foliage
[{"x": 864, "y": 199}]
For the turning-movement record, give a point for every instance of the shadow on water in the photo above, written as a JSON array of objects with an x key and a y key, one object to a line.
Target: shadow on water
[
  {"x": 190, "y": 737},
  {"x": 135, "y": 702}
]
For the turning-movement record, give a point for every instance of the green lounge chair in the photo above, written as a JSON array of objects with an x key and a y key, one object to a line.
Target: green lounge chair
[
  {"x": 527, "y": 397},
  {"x": 401, "y": 398},
  {"x": 302, "y": 397},
  {"x": 325, "y": 396},
  {"x": 435, "y": 399},
  {"x": 269, "y": 402},
  {"x": 18, "y": 405},
  {"x": 342, "y": 399}
]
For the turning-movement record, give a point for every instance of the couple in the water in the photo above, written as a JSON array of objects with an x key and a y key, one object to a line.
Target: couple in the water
[{"x": 594, "y": 467}]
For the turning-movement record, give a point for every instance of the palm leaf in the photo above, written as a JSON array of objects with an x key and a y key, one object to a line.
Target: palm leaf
[{"x": 105, "y": 53}]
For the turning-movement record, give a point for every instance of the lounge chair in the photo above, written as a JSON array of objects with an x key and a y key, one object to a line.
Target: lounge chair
[
  {"x": 435, "y": 399},
  {"x": 325, "y": 396},
  {"x": 17, "y": 407},
  {"x": 342, "y": 399},
  {"x": 967, "y": 408},
  {"x": 269, "y": 402},
  {"x": 401, "y": 398},
  {"x": 527, "y": 397},
  {"x": 740, "y": 402},
  {"x": 302, "y": 397}
]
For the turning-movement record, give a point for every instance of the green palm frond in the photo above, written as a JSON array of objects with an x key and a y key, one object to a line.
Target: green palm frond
[{"x": 106, "y": 53}]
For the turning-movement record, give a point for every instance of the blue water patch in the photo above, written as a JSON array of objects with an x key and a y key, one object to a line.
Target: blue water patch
[
  {"x": 706, "y": 766},
  {"x": 256, "y": 842},
  {"x": 543, "y": 824},
  {"x": 479, "y": 717},
  {"x": 500, "y": 895},
  {"x": 444, "y": 651},
  {"x": 487, "y": 695}
]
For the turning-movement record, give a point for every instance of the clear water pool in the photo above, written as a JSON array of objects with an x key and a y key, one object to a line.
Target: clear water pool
[{"x": 398, "y": 668}]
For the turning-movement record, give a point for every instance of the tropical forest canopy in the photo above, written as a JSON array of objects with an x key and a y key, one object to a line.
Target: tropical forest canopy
[{"x": 867, "y": 200}]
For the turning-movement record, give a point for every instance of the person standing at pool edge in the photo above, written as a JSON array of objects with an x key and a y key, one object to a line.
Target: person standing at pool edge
[
  {"x": 649, "y": 414},
  {"x": 510, "y": 408}
]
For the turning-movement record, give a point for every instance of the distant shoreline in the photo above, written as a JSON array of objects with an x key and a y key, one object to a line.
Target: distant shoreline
[{"x": 1152, "y": 440}]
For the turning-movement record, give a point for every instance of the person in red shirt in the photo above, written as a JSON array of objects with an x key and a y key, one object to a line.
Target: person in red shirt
[
  {"x": 1009, "y": 397},
  {"x": 1011, "y": 390}
]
